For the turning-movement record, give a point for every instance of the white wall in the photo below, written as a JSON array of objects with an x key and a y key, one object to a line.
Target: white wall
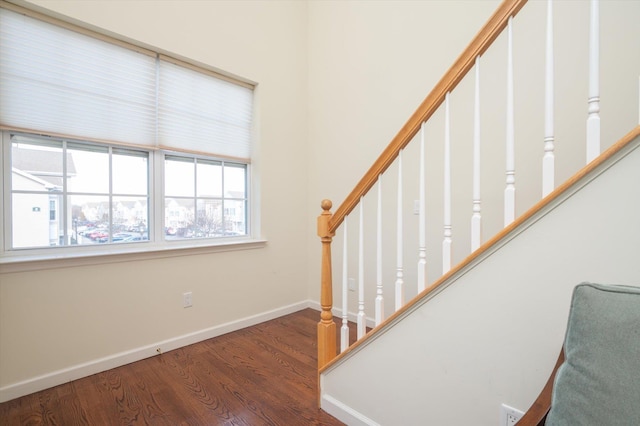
[
  {"x": 494, "y": 334},
  {"x": 60, "y": 319}
]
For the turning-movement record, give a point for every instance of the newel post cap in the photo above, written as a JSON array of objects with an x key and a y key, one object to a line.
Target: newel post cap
[{"x": 323, "y": 219}]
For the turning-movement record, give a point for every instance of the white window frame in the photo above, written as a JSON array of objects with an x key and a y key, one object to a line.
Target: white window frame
[{"x": 14, "y": 260}]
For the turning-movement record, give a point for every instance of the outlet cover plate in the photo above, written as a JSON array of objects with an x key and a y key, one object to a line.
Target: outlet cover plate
[
  {"x": 509, "y": 416},
  {"x": 187, "y": 299},
  {"x": 352, "y": 284}
]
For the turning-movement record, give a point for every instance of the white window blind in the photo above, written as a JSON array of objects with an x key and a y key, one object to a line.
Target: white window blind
[
  {"x": 57, "y": 81},
  {"x": 199, "y": 113}
]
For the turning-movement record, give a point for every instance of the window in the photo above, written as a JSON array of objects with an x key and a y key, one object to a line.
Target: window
[
  {"x": 102, "y": 192},
  {"x": 199, "y": 196},
  {"x": 155, "y": 151}
]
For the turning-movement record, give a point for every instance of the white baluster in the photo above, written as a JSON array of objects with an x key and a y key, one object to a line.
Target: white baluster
[
  {"x": 344, "y": 330},
  {"x": 361, "y": 323},
  {"x": 476, "y": 217},
  {"x": 510, "y": 190},
  {"x": 548, "y": 160},
  {"x": 379, "y": 297},
  {"x": 446, "y": 243},
  {"x": 422, "y": 234},
  {"x": 593, "y": 119},
  {"x": 399, "y": 270}
]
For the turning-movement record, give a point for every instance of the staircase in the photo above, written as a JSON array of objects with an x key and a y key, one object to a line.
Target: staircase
[{"x": 497, "y": 323}]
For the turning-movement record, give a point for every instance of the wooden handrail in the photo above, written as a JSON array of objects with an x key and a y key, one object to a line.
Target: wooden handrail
[
  {"x": 428, "y": 107},
  {"x": 501, "y": 236},
  {"x": 328, "y": 222}
]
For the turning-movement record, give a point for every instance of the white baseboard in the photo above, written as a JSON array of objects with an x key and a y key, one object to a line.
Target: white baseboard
[
  {"x": 75, "y": 372},
  {"x": 344, "y": 413}
]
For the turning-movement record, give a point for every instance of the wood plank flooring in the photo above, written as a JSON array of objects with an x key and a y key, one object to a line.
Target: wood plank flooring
[{"x": 261, "y": 375}]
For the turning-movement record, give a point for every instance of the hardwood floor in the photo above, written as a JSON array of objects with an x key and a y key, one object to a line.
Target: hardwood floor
[{"x": 261, "y": 375}]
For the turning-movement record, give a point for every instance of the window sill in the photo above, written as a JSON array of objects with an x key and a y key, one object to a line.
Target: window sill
[{"x": 23, "y": 262}]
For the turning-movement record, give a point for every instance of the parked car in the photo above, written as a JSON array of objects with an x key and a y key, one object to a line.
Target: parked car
[{"x": 97, "y": 235}]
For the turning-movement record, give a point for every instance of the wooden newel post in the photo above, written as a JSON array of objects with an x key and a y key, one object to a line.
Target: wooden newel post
[{"x": 326, "y": 326}]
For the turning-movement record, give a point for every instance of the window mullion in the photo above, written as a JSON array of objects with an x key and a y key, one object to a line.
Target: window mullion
[
  {"x": 195, "y": 194},
  {"x": 224, "y": 216},
  {"x": 156, "y": 192},
  {"x": 5, "y": 173},
  {"x": 62, "y": 204},
  {"x": 110, "y": 195}
]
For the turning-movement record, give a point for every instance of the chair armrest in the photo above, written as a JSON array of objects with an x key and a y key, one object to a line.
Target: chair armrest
[{"x": 537, "y": 413}]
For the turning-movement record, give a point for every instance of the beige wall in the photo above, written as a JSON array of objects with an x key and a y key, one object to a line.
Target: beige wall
[{"x": 56, "y": 319}]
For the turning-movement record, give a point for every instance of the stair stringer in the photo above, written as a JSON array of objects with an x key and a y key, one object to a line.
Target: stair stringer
[{"x": 493, "y": 333}]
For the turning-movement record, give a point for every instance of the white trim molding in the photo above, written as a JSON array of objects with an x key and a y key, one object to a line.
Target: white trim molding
[{"x": 344, "y": 413}]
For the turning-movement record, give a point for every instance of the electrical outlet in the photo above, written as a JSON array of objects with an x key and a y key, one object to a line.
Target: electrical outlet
[
  {"x": 352, "y": 284},
  {"x": 509, "y": 416},
  {"x": 416, "y": 207},
  {"x": 512, "y": 420},
  {"x": 187, "y": 299}
]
